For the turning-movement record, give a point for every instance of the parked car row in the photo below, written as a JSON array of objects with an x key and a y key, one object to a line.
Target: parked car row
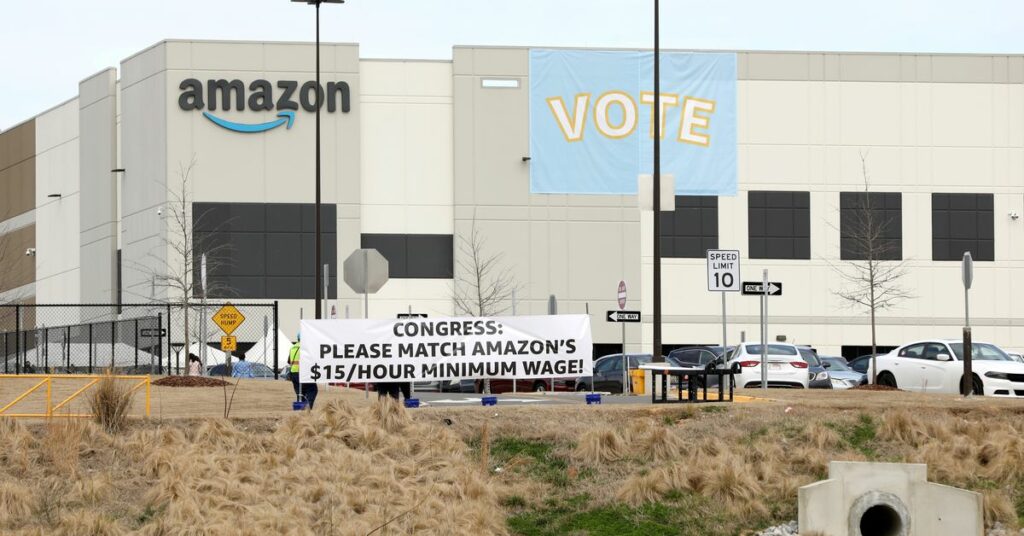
[{"x": 931, "y": 366}]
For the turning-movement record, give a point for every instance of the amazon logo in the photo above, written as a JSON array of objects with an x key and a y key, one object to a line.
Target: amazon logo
[{"x": 261, "y": 96}]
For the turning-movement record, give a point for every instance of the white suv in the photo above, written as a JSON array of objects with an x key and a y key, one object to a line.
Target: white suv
[
  {"x": 785, "y": 366},
  {"x": 936, "y": 366}
]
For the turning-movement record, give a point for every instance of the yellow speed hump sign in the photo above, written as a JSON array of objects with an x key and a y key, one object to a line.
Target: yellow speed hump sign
[
  {"x": 228, "y": 344},
  {"x": 228, "y": 318}
]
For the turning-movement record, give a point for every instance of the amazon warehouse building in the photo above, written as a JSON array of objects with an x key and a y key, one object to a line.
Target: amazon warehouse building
[{"x": 538, "y": 151}]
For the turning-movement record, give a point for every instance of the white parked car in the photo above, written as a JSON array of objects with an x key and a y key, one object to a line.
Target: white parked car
[
  {"x": 785, "y": 366},
  {"x": 936, "y": 366}
]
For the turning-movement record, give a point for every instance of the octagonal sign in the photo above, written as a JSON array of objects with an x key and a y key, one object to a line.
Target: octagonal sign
[{"x": 365, "y": 271}]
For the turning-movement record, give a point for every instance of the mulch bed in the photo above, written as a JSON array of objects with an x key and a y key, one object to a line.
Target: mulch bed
[
  {"x": 874, "y": 387},
  {"x": 190, "y": 381}
]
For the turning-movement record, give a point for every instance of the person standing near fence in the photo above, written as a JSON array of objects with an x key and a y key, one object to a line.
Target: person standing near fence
[
  {"x": 293, "y": 366},
  {"x": 194, "y": 365},
  {"x": 303, "y": 391},
  {"x": 242, "y": 369}
]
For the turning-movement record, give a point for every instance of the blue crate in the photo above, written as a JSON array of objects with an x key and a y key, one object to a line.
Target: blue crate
[
  {"x": 489, "y": 401},
  {"x": 593, "y": 398},
  {"x": 412, "y": 402}
]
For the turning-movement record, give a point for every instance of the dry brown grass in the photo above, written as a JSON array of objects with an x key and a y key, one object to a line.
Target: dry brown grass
[
  {"x": 338, "y": 470},
  {"x": 350, "y": 468},
  {"x": 110, "y": 401},
  {"x": 600, "y": 446}
]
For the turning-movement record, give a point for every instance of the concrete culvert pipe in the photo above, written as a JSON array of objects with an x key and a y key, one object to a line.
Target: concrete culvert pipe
[
  {"x": 880, "y": 520},
  {"x": 879, "y": 514}
]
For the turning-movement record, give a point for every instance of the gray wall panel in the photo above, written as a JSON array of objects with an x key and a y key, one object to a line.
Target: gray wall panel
[{"x": 97, "y": 157}]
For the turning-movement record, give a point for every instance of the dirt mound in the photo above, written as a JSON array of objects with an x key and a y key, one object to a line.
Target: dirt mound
[
  {"x": 190, "y": 381},
  {"x": 874, "y": 387}
]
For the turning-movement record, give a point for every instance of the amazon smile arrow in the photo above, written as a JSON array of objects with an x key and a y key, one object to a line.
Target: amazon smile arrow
[{"x": 286, "y": 116}]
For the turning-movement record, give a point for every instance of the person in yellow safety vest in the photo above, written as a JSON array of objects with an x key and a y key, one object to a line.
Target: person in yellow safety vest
[
  {"x": 293, "y": 366},
  {"x": 303, "y": 391}
]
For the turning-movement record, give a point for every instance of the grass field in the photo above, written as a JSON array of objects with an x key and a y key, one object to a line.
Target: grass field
[{"x": 356, "y": 467}]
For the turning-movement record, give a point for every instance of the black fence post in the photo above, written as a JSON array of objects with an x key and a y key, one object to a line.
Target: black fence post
[
  {"x": 113, "y": 339},
  {"x": 90, "y": 348},
  {"x": 17, "y": 339},
  {"x": 170, "y": 320},
  {"x": 67, "y": 352},
  {"x": 277, "y": 373},
  {"x": 160, "y": 344},
  {"x": 136, "y": 346},
  {"x": 46, "y": 350}
]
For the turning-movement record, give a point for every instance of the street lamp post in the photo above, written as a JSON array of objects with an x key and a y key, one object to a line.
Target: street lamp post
[
  {"x": 656, "y": 189},
  {"x": 319, "y": 103}
]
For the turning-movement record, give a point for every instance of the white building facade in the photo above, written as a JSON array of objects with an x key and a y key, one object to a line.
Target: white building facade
[{"x": 417, "y": 153}]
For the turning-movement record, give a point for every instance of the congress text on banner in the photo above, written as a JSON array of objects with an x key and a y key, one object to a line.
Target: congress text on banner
[
  {"x": 590, "y": 121},
  {"x": 422, "y": 349}
]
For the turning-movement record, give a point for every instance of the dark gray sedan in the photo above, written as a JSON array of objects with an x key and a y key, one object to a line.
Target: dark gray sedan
[{"x": 817, "y": 374}]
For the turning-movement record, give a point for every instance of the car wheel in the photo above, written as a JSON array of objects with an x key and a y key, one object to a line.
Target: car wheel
[
  {"x": 580, "y": 387},
  {"x": 978, "y": 387},
  {"x": 887, "y": 380},
  {"x": 539, "y": 387}
]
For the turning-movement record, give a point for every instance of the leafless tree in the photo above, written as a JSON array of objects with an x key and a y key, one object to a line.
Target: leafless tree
[
  {"x": 184, "y": 248},
  {"x": 482, "y": 287},
  {"x": 872, "y": 279}
]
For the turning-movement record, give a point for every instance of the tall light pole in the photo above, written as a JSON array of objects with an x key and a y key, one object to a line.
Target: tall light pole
[
  {"x": 656, "y": 188},
  {"x": 319, "y": 103}
]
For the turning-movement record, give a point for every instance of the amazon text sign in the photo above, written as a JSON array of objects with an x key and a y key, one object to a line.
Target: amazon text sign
[
  {"x": 590, "y": 121},
  {"x": 421, "y": 349},
  {"x": 261, "y": 97}
]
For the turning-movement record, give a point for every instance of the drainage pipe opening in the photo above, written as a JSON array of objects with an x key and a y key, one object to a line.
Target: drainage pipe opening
[{"x": 880, "y": 520}]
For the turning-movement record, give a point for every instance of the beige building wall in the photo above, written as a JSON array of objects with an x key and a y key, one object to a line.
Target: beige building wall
[
  {"x": 406, "y": 169},
  {"x": 57, "y": 262},
  {"x": 924, "y": 124}
]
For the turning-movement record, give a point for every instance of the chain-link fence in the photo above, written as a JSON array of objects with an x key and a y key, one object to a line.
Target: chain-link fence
[{"x": 138, "y": 338}]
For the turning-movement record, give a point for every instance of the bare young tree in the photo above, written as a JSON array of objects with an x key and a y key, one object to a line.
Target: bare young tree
[
  {"x": 872, "y": 276},
  {"x": 482, "y": 287},
  {"x": 179, "y": 274}
]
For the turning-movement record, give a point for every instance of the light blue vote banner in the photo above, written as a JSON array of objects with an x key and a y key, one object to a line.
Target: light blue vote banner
[{"x": 591, "y": 128}]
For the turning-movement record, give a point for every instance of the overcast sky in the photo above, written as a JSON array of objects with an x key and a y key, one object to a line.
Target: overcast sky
[{"x": 46, "y": 48}]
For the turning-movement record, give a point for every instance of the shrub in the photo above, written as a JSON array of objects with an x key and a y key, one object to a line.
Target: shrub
[{"x": 110, "y": 402}]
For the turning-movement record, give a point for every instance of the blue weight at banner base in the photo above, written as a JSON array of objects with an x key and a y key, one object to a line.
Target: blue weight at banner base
[{"x": 590, "y": 121}]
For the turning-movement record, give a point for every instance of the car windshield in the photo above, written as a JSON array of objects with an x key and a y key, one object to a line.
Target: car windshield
[
  {"x": 809, "y": 356},
  {"x": 837, "y": 364},
  {"x": 639, "y": 359},
  {"x": 980, "y": 351},
  {"x": 773, "y": 349}
]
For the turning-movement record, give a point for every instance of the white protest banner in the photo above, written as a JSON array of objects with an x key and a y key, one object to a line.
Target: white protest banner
[{"x": 426, "y": 349}]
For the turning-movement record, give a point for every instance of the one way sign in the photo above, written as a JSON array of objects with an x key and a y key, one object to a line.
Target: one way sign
[
  {"x": 623, "y": 316},
  {"x": 757, "y": 288}
]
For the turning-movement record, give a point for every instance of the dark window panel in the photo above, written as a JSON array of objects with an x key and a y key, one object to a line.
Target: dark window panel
[
  {"x": 268, "y": 253},
  {"x": 285, "y": 218},
  {"x": 392, "y": 247},
  {"x": 429, "y": 256},
  {"x": 693, "y": 223},
  {"x": 284, "y": 287},
  {"x": 884, "y": 212},
  {"x": 779, "y": 225},
  {"x": 283, "y": 253},
  {"x": 962, "y": 222}
]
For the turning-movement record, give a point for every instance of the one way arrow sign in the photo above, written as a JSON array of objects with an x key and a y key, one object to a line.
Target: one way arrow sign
[
  {"x": 751, "y": 288},
  {"x": 623, "y": 316}
]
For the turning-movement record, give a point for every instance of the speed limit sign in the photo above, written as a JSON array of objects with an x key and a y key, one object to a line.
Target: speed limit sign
[{"x": 723, "y": 270}]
